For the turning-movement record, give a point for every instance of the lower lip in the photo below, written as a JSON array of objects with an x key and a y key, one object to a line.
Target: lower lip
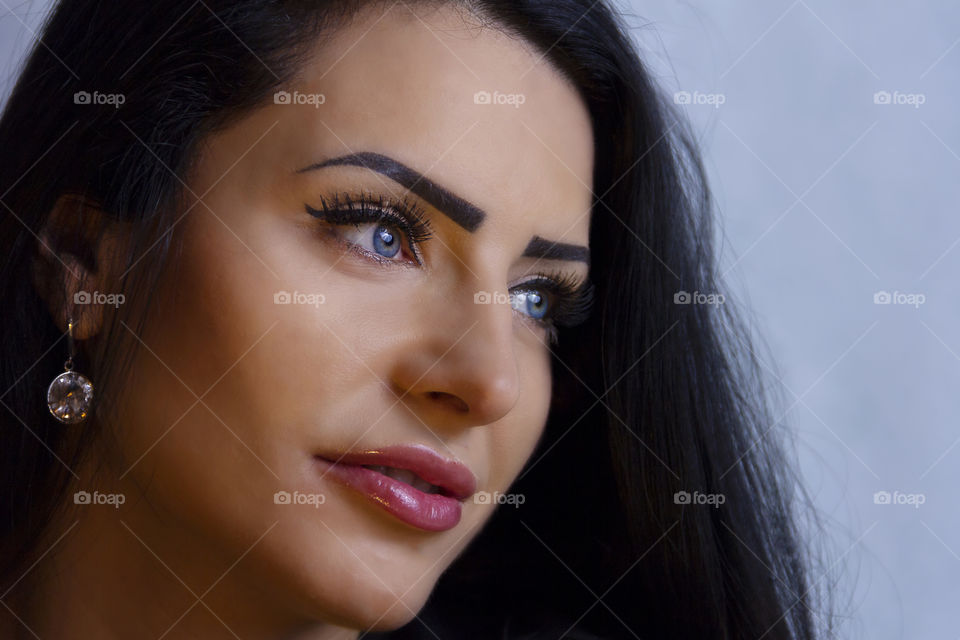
[{"x": 427, "y": 511}]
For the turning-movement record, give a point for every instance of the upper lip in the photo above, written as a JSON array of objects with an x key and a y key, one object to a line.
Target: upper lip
[{"x": 453, "y": 477}]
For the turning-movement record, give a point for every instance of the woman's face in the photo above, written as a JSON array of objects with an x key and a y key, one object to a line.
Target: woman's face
[{"x": 237, "y": 395}]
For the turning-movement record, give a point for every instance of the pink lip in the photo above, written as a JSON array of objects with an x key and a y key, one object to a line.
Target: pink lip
[{"x": 428, "y": 511}]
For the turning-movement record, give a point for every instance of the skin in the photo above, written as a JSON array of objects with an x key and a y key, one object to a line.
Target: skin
[{"x": 395, "y": 354}]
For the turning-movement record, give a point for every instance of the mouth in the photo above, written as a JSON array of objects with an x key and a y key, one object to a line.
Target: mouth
[
  {"x": 411, "y": 482},
  {"x": 409, "y": 477}
]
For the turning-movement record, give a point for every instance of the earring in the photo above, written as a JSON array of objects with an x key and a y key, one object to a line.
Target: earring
[{"x": 70, "y": 395}]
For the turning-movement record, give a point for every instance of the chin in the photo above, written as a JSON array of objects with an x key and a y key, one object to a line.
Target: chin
[
  {"x": 340, "y": 589},
  {"x": 374, "y": 609}
]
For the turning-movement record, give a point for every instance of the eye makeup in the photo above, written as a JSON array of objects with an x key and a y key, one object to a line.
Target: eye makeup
[
  {"x": 570, "y": 300},
  {"x": 386, "y": 212},
  {"x": 567, "y": 298},
  {"x": 463, "y": 213}
]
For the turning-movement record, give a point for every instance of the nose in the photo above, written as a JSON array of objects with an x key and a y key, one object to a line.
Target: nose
[{"x": 462, "y": 369}]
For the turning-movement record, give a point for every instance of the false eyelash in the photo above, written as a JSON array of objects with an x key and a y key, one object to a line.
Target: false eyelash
[
  {"x": 345, "y": 208},
  {"x": 571, "y": 296}
]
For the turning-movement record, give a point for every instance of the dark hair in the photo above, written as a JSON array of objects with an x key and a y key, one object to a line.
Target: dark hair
[{"x": 650, "y": 398}]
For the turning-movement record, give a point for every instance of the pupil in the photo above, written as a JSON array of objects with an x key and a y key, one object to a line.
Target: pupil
[
  {"x": 385, "y": 243},
  {"x": 536, "y": 304}
]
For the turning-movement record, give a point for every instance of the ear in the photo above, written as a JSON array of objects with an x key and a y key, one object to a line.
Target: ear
[{"x": 76, "y": 250}]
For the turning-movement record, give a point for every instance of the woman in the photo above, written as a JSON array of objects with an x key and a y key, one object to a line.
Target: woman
[{"x": 374, "y": 318}]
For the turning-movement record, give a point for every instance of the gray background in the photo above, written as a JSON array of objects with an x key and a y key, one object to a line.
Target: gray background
[{"x": 825, "y": 199}]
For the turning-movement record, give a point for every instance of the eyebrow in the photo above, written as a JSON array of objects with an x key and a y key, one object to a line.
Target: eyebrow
[
  {"x": 460, "y": 211},
  {"x": 457, "y": 209},
  {"x": 550, "y": 250}
]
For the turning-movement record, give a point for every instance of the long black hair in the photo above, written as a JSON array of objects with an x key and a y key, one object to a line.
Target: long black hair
[{"x": 656, "y": 403}]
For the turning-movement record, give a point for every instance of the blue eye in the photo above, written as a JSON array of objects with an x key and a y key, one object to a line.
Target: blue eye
[
  {"x": 530, "y": 302},
  {"x": 382, "y": 239},
  {"x": 392, "y": 223},
  {"x": 384, "y": 242},
  {"x": 553, "y": 300}
]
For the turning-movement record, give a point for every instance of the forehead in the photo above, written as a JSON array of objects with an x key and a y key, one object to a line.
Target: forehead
[{"x": 473, "y": 109}]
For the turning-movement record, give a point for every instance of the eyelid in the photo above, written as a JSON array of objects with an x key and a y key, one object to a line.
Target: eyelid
[
  {"x": 571, "y": 296},
  {"x": 347, "y": 208}
]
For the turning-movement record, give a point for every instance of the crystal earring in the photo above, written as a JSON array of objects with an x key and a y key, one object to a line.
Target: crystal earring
[{"x": 70, "y": 395}]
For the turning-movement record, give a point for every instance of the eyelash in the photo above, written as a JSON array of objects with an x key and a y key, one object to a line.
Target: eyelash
[
  {"x": 346, "y": 209},
  {"x": 571, "y": 298}
]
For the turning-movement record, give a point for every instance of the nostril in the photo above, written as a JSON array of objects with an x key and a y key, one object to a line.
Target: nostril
[{"x": 453, "y": 401}]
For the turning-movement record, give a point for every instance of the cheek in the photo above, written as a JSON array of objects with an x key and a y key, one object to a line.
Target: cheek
[
  {"x": 231, "y": 383},
  {"x": 276, "y": 381},
  {"x": 185, "y": 428}
]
